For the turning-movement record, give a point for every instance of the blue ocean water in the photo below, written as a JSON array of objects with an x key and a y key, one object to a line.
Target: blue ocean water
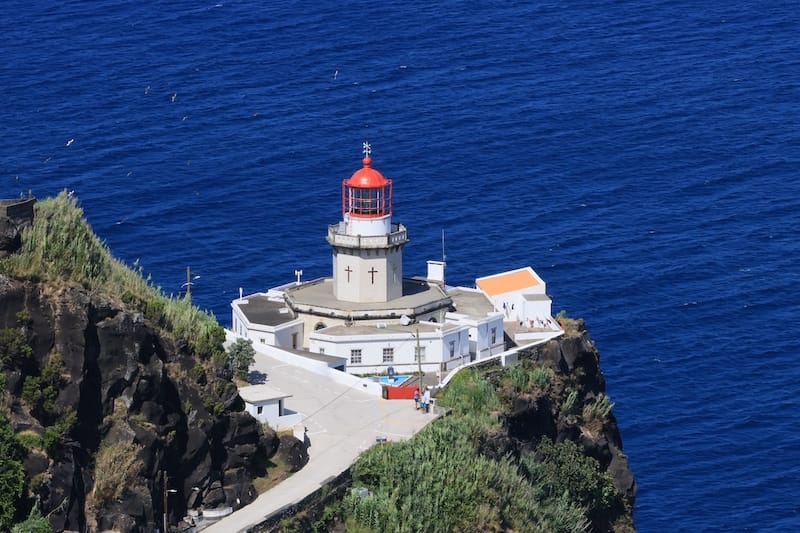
[{"x": 643, "y": 157}]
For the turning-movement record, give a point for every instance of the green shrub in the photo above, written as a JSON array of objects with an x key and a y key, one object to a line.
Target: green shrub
[
  {"x": 213, "y": 406},
  {"x": 569, "y": 325},
  {"x": 29, "y": 440},
  {"x": 12, "y": 473},
  {"x": 468, "y": 392},
  {"x": 14, "y": 348},
  {"x": 32, "y": 391},
  {"x": 437, "y": 480},
  {"x": 198, "y": 373},
  {"x": 241, "y": 355},
  {"x": 540, "y": 377},
  {"x": 570, "y": 404},
  {"x": 563, "y": 469},
  {"x": 35, "y": 523},
  {"x": 519, "y": 377},
  {"x": 23, "y": 317},
  {"x": 53, "y": 434},
  {"x": 598, "y": 410}
]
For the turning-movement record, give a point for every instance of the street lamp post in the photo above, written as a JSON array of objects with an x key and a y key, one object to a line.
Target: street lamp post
[
  {"x": 189, "y": 283},
  {"x": 166, "y": 501}
]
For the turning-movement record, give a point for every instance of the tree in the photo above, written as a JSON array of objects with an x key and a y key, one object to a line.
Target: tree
[
  {"x": 241, "y": 355},
  {"x": 12, "y": 474}
]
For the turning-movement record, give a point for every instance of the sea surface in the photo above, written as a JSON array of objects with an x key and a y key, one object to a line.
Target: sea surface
[{"x": 643, "y": 157}]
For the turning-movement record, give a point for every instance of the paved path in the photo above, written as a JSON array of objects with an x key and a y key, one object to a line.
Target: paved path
[{"x": 342, "y": 422}]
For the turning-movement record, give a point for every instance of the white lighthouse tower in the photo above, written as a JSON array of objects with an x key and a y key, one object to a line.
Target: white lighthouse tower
[{"x": 367, "y": 246}]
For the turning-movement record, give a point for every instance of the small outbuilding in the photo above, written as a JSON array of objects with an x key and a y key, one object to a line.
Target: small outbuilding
[{"x": 267, "y": 406}]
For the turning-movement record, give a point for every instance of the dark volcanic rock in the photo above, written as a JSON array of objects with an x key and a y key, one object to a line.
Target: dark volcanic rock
[
  {"x": 126, "y": 385},
  {"x": 579, "y": 362},
  {"x": 15, "y": 215},
  {"x": 293, "y": 452},
  {"x": 531, "y": 418}
]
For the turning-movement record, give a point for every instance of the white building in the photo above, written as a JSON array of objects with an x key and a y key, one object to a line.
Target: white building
[
  {"x": 267, "y": 406},
  {"x": 367, "y": 317}
]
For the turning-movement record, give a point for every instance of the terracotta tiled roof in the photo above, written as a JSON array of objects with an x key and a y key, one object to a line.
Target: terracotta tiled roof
[{"x": 507, "y": 282}]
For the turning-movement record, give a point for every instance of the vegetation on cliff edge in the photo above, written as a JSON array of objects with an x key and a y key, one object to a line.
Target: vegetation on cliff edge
[
  {"x": 443, "y": 479},
  {"x": 60, "y": 248},
  {"x": 60, "y": 252}
]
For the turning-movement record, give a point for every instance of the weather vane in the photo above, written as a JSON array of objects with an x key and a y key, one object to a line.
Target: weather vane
[{"x": 367, "y": 149}]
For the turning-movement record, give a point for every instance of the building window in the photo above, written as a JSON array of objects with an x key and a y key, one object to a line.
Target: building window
[
  {"x": 260, "y": 409},
  {"x": 452, "y": 349},
  {"x": 355, "y": 356},
  {"x": 419, "y": 353},
  {"x": 494, "y": 335},
  {"x": 322, "y": 349},
  {"x": 262, "y": 340},
  {"x": 388, "y": 355}
]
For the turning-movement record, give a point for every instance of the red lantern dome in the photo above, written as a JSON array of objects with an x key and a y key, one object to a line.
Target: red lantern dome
[
  {"x": 367, "y": 194},
  {"x": 367, "y": 177}
]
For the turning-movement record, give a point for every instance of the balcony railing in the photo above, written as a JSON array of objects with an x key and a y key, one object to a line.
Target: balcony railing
[{"x": 338, "y": 237}]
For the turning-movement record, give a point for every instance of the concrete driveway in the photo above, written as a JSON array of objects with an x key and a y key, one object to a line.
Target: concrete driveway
[{"x": 342, "y": 422}]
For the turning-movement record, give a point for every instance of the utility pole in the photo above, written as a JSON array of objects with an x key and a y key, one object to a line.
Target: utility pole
[
  {"x": 419, "y": 363},
  {"x": 189, "y": 284},
  {"x": 167, "y": 490},
  {"x": 165, "y": 472}
]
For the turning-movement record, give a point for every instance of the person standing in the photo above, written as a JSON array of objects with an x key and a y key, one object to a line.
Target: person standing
[
  {"x": 426, "y": 401},
  {"x": 416, "y": 399}
]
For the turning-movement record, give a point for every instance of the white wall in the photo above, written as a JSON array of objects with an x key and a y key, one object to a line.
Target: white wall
[
  {"x": 269, "y": 412},
  {"x": 480, "y": 330},
  {"x": 534, "y": 309},
  {"x": 436, "y": 345}
]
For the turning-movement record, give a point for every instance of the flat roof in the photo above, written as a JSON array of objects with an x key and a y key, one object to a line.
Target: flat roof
[
  {"x": 261, "y": 393},
  {"x": 471, "y": 303},
  {"x": 390, "y": 329},
  {"x": 513, "y": 280},
  {"x": 534, "y": 297},
  {"x": 322, "y": 357},
  {"x": 260, "y": 310},
  {"x": 417, "y": 293}
]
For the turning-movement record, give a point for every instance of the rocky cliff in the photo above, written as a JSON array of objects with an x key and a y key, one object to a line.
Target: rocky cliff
[
  {"x": 121, "y": 401},
  {"x": 133, "y": 394}
]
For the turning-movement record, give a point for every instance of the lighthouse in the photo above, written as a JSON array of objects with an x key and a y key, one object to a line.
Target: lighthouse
[{"x": 367, "y": 247}]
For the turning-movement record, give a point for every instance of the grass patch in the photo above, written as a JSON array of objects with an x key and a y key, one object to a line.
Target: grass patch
[
  {"x": 115, "y": 466},
  {"x": 277, "y": 471},
  {"x": 569, "y": 325}
]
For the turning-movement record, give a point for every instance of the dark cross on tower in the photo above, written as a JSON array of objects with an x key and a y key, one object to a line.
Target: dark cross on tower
[
  {"x": 373, "y": 272},
  {"x": 348, "y": 270}
]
